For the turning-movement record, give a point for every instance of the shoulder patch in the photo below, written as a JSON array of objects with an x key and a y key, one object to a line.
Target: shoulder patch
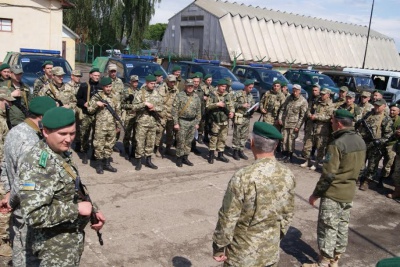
[
  {"x": 28, "y": 186},
  {"x": 43, "y": 159}
]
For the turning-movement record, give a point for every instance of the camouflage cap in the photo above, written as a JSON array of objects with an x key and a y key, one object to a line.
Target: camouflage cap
[
  {"x": 189, "y": 82},
  {"x": 266, "y": 130},
  {"x": 112, "y": 67},
  {"x": 47, "y": 62},
  {"x": 134, "y": 78},
  {"x": 17, "y": 69},
  {"x": 171, "y": 78},
  {"x": 344, "y": 88},
  {"x": 351, "y": 94},
  {"x": 296, "y": 86},
  {"x": 366, "y": 94},
  {"x": 326, "y": 91},
  {"x": 4, "y": 66},
  {"x": 58, "y": 117},
  {"x": 58, "y": 71},
  {"x": 379, "y": 102},
  {"x": 6, "y": 94},
  {"x": 77, "y": 73}
]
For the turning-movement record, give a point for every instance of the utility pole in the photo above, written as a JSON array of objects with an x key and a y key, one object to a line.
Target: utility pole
[{"x": 369, "y": 29}]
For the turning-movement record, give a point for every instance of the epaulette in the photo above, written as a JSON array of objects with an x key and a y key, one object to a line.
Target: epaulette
[{"x": 43, "y": 159}]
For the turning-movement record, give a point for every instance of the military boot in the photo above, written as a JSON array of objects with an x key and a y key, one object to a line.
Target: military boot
[
  {"x": 284, "y": 156},
  {"x": 179, "y": 161},
  {"x": 242, "y": 155},
  {"x": 222, "y": 158},
  {"x": 306, "y": 164},
  {"x": 194, "y": 148},
  {"x": 132, "y": 153},
  {"x": 138, "y": 166},
  {"x": 395, "y": 194},
  {"x": 168, "y": 150},
  {"x": 84, "y": 158},
  {"x": 236, "y": 154},
  {"x": 289, "y": 157},
  {"x": 108, "y": 167},
  {"x": 314, "y": 166},
  {"x": 322, "y": 262},
  {"x": 150, "y": 164},
  {"x": 364, "y": 186},
  {"x": 157, "y": 151},
  {"x": 127, "y": 153},
  {"x": 78, "y": 147},
  {"x": 186, "y": 161},
  {"x": 200, "y": 139},
  {"x": 115, "y": 148},
  {"x": 211, "y": 156},
  {"x": 99, "y": 166}
]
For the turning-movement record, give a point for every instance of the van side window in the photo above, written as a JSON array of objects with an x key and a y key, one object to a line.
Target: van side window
[{"x": 395, "y": 83}]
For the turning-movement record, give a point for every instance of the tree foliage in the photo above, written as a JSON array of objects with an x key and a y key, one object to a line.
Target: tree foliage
[
  {"x": 155, "y": 31},
  {"x": 110, "y": 21}
]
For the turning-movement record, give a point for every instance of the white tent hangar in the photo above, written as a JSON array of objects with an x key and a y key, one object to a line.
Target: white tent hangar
[{"x": 220, "y": 29}]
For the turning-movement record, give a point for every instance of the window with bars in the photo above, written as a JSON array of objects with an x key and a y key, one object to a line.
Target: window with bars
[{"x": 5, "y": 25}]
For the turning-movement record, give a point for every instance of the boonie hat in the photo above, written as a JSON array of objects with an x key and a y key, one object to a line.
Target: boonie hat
[
  {"x": 17, "y": 69},
  {"x": 171, "y": 78},
  {"x": 58, "y": 117},
  {"x": 77, "y": 73},
  {"x": 58, "y": 71},
  {"x": 266, "y": 130}
]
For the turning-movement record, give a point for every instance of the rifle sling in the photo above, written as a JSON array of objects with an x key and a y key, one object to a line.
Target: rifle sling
[
  {"x": 88, "y": 93},
  {"x": 185, "y": 107}
]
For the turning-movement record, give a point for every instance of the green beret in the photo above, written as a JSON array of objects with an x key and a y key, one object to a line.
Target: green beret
[
  {"x": 4, "y": 66},
  {"x": 343, "y": 114},
  {"x": 283, "y": 84},
  {"x": 199, "y": 74},
  {"x": 266, "y": 130},
  {"x": 276, "y": 82},
  {"x": 395, "y": 105},
  {"x": 222, "y": 82},
  {"x": 47, "y": 62},
  {"x": 40, "y": 104},
  {"x": 207, "y": 76},
  {"x": 158, "y": 73},
  {"x": 248, "y": 82},
  {"x": 176, "y": 67},
  {"x": 194, "y": 75},
  {"x": 94, "y": 70},
  {"x": 150, "y": 78},
  {"x": 58, "y": 117},
  {"x": 105, "y": 81}
]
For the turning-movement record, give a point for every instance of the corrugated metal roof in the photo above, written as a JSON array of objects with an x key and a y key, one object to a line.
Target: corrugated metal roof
[{"x": 259, "y": 33}]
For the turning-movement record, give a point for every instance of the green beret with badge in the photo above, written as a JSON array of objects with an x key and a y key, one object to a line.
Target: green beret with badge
[
  {"x": 158, "y": 73},
  {"x": 94, "y": 70},
  {"x": 276, "y": 82},
  {"x": 105, "y": 81},
  {"x": 343, "y": 114},
  {"x": 58, "y": 117},
  {"x": 47, "y": 62},
  {"x": 41, "y": 104},
  {"x": 266, "y": 130},
  {"x": 222, "y": 82},
  {"x": 194, "y": 75},
  {"x": 176, "y": 68},
  {"x": 199, "y": 74},
  {"x": 207, "y": 76},
  {"x": 248, "y": 82},
  {"x": 150, "y": 78},
  {"x": 4, "y": 66}
]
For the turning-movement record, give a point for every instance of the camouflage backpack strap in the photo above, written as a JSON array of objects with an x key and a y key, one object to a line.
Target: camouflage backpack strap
[
  {"x": 53, "y": 92},
  {"x": 143, "y": 96},
  {"x": 88, "y": 93},
  {"x": 25, "y": 98},
  {"x": 9, "y": 84}
]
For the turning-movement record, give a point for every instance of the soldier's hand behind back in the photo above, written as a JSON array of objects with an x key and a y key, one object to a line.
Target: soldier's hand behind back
[{"x": 84, "y": 208}]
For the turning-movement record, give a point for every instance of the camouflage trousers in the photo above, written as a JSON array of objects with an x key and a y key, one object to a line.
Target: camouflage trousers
[
  {"x": 396, "y": 172},
  {"x": 321, "y": 143},
  {"x": 333, "y": 227},
  {"x": 4, "y": 221},
  {"x": 219, "y": 133},
  {"x": 271, "y": 265},
  {"x": 202, "y": 125},
  {"x": 57, "y": 248},
  {"x": 87, "y": 126},
  {"x": 373, "y": 157},
  {"x": 240, "y": 134},
  {"x": 145, "y": 140},
  {"x": 104, "y": 141},
  {"x": 289, "y": 139},
  {"x": 129, "y": 135},
  {"x": 168, "y": 127},
  {"x": 388, "y": 160},
  {"x": 268, "y": 118},
  {"x": 184, "y": 137},
  {"x": 309, "y": 140}
]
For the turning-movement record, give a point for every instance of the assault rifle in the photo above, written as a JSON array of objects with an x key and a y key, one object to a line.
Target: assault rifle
[
  {"x": 60, "y": 103},
  {"x": 154, "y": 114},
  {"x": 110, "y": 109}
]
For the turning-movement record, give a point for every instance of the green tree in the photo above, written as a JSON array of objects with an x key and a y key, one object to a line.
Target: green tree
[{"x": 155, "y": 31}]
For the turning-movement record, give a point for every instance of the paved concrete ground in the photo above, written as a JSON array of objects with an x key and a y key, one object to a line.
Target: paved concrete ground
[{"x": 166, "y": 217}]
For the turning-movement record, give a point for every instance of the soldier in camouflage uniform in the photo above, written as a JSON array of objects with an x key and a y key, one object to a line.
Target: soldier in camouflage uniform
[
  {"x": 396, "y": 171},
  {"x": 4, "y": 73},
  {"x": 321, "y": 128},
  {"x": 148, "y": 107},
  {"x": 186, "y": 115},
  {"x": 168, "y": 92},
  {"x": 117, "y": 84},
  {"x": 291, "y": 118},
  {"x": 54, "y": 87},
  {"x": 271, "y": 103},
  {"x": 241, "y": 123},
  {"x": 381, "y": 128},
  {"x": 48, "y": 179},
  {"x": 285, "y": 90},
  {"x": 47, "y": 67},
  {"x": 257, "y": 208},
  {"x": 105, "y": 126},
  {"x": 201, "y": 94},
  {"x": 72, "y": 87},
  {"x": 351, "y": 106},
  {"x": 221, "y": 108},
  {"x": 204, "y": 124},
  {"x": 308, "y": 139},
  {"x": 127, "y": 97},
  {"x": 364, "y": 104},
  {"x": 159, "y": 79},
  {"x": 5, "y": 103},
  {"x": 378, "y": 95},
  {"x": 342, "y": 97},
  {"x": 19, "y": 141},
  {"x": 344, "y": 159},
  {"x": 180, "y": 84}
]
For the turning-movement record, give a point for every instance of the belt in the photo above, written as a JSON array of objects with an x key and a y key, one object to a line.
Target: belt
[{"x": 188, "y": 119}]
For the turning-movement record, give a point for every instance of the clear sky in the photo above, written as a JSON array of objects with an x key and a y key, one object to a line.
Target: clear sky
[{"x": 386, "y": 16}]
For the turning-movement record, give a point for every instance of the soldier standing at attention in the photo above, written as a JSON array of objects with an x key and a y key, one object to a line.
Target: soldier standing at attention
[
  {"x": 47, "y": 67},
  {"x": 257, "y": 208},
  {"x": 204, "y": 124},
  {"x": 344, "y": 159},
  {"x": 49, "y": 181},
  {"x": 105, "y": 125},
  {"x": 381, "y": 128},
  {"x": 117, "y": 84},
  {"x": 75, "y": 82},
  {"x": 271, "y": 103},
  {"x": 364, "y": 105},
  {"x": 308, "y": 140},
  {"x": 342, "y": 97},
  {"x": 351, "y": 106},
  {"x": 54, "y": 87},
  {"x": 5, "y": 244},
  {"x": 4, "y": 73},
  {"x": 168, "y": 92},
  {"x": 148, "y": 107},
  {"x": 176, "y": 70},
  {"x": 186, "y": 114},
  {"x": 291, "y": 118},
  {"x": 127, "y": 97},
  {"x": 321, "y": 128},
  {"x": 200, "y": 93},
  {"x": 85, "y": 92},
  {"x": 221, "y": 109},
  {"x": 19, "y": 141},
  {"x": 241, "y": 122}
]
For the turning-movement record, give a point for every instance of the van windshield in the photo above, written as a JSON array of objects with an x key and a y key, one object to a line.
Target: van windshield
[{"x": 364, "y": 81}]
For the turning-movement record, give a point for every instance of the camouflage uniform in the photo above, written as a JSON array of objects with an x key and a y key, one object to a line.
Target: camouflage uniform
[
  {"x": 39, "y": 84},
  {"x": 219, "y": 117},
  {"x": 186, "y": 111},
  {"x": 52, "y": 90},
  {"x": 18, "y": 142},
  {"x": 255, "y": 215},
  {"x": 390, "y": 150},
  {"x": 292, "y": 115},
  {"x": 20, "y": 106},
  {"x": 271, "y": 103},
  {"x": 309, "y": 141},
  {"x": 381, "y": 126},
  {"x": 241, "y": 131},
  {"x": 339, "y": 102},
  {"x": 168, "y": 95},
  {"x": 48, "y": 185},
  {"x": 3, "y": 131},
  {"x": 364, "y": 109},
  {"x": 344, "y": 159},
  {"x": 105, "y": 124},
  {"x": 72, "y": 88},
  {"x": 146, "y": 123},
  {"x": 117, "y": 87},
  {"x": 127, "y": 98}
]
